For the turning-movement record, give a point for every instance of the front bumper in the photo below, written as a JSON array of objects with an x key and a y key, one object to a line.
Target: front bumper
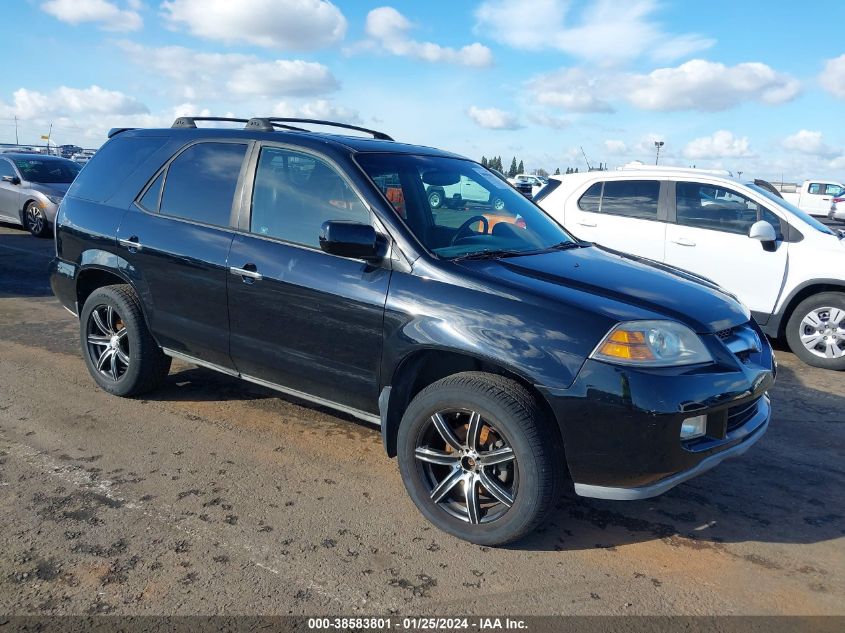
[
  {"x": 621, "y": 425},
  {"x": 748, "y": 435}
]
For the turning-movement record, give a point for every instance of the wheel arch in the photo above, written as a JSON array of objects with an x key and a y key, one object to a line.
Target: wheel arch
[
  {"x": 29, "y": 200},
  {"x": 92, "y": 277},
  {"x": 798, "y": 295},
  {"x": 423, "y": 367}
]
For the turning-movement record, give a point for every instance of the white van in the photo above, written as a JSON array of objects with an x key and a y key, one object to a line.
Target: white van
[{"x": 785, "y": 265}]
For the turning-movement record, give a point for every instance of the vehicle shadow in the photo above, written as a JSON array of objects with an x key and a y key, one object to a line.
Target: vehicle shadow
[
  {"x": 788, "y": 488},
  {"x": 24, "y": 260}
]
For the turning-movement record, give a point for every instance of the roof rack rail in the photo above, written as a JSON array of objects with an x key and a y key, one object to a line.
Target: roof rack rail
[
  {"x": 190, "y": 121},
  {"x": 260, "y": 124},
  {"x": 376, "y": 134}
]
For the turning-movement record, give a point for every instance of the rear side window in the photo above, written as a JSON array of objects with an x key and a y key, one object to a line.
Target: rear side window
[
  {"x": 631, "y": 198},
  {"x": 149, "y": 200},
  {"x": 201, "y": 181},
  {"x": 547, "y": 189},
  {"x": 111, "y": 165},
  {"x": 591, "y": 200}
]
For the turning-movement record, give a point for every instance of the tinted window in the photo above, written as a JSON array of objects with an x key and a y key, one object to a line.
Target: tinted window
[
  {"x": 547, "y": 189},
  {"x": 150, "y": 199},
  {"x": 6, "y": 169},
  {"x": 709, "y": 207},
  {"x": 833, "y": 190},
  {"x": 110, "y": 166},
  {"x": 295, "y": 193},
  {"x": 200, "y": 183},
  {"x": 47, "y": 170},
  {"x": 631, "y": 198},
  {"x": 591, "y": 199}
]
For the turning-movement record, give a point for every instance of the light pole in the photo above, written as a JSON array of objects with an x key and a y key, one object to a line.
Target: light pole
[{"x": 658, "y": 145}]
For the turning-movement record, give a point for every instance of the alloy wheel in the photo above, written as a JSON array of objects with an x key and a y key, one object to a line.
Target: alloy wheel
[
  {"x": 108, "y": 343},
  {"x": 823, "y": 332},
  {"x": 34, "y": 220},
  {"x": 468, "y": 467}
]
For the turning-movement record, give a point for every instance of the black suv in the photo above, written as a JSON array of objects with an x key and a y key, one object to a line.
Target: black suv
[{"x": 500, "y": 355}]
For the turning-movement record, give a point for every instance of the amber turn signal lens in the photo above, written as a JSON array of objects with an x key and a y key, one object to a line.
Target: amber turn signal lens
[{"x": 627, "y": 345}]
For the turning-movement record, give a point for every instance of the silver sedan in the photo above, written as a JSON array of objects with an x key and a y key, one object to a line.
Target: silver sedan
[{"x": 31, "y": 188}]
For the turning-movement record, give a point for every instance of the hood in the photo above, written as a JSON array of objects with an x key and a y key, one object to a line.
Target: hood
[
  {"x": 50, "y": 188},
  {"x": 620, "y": 286}
]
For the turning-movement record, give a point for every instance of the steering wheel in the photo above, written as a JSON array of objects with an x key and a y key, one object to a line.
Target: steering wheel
[{"x": 464, "y": 228}]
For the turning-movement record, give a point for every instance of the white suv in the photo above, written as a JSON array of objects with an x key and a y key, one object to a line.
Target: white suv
[{"x": 785, "y": 265}]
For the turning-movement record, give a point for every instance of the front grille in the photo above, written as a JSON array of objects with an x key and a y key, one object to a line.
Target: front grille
[
  {"x": 725, "y": 334},
  {"x": 742, "y": 341},
  {"x": 740, "y": 414}
]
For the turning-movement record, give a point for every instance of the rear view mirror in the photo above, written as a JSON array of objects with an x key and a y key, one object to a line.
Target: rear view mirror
[
  {"x": 352, "y": 239},
  {"x": 763, "y": 232},
  {"x": 441, "y": 177},
  {"x": 12, "y": 179}
]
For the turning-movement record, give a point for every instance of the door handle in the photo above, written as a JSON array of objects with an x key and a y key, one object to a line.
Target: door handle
[
  {"x": 249, "y": 273},
  {"x": 682, "y": 241},
  {"x": 133, "y": 244},
  {"x": 591, "y": 224}
]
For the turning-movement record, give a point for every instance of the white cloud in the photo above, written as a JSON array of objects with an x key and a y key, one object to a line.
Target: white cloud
[
  {"x": 571, "y": 89},
  {"x": 388, "y": 30},
  {"x": 808, "y": 142},
  {"x": 320, "y": 109},
  {"x": 69, "y": 102},
  {"x": 108, "y": 14},
  {"x": 613, "y": 146},
  {"x": 708, "y": 86},
  {"x": 604, "y": 32},
  {"x": 694, "y": 85},
  {"x": 832, "y": 77},
  {"x": 721, "y": 144},
  {"x": 493, "y": 118},
  {"x": 206, "y": 75},
  {"x": 283, "y": 24},
  {"x": 547, "y": 120}
]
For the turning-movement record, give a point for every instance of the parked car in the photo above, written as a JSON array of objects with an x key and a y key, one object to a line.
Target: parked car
[
  {"x": 83, "y": 156},
  {"x": 536, "y": 182},
  {"x": 461, "y": 192},
  {"x": 837, "y": 209},
  {"x": 31, "y": 189},
  {"x": 497, "y": 353},
  {"x": 813, "y": 196},
  {"x": 787, "y": 266}
]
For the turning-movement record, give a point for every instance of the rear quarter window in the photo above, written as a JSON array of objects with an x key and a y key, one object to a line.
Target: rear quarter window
[{"x": 102, "y": 176}]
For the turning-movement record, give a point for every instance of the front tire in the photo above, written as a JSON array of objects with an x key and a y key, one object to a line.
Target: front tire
[
  {"x": 479, "y": 459},
  {"x": 816, "y": 330},
  {"x": 435, "y": 199},
  {"x": 119, "y": 351},
  {"x": 34, "y": 220}
]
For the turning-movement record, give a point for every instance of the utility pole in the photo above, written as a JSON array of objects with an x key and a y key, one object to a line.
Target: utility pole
[
  {"x": 16, "y": 130},
  {"x": 585, "y": 159},
  {"x": 658, "y": 145}
]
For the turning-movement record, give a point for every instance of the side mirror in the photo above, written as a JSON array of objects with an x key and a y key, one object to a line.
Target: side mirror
[
  {"x": 352, "y": 239},
  {"x": 762, "y": 231},
  {"x": 12, "y": 179}
]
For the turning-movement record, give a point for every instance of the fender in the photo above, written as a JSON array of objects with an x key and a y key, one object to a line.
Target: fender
[{"x": 803, "y": 290}]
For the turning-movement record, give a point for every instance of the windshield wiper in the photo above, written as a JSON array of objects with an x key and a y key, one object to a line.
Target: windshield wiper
[
  {"x": 563, "y": 246},
  {"x": 489, "y": 253}
]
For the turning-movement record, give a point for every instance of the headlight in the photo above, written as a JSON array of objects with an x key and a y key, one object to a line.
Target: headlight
[
  {"x": 652, "y": 344},
  {"x": 54, "y": 199}
]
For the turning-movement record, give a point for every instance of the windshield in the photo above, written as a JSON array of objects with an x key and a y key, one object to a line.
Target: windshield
[
  {"x": 792, "y": 209},
  {"x": 52, "y": 170},
  {"x": 457, "y": 208}
]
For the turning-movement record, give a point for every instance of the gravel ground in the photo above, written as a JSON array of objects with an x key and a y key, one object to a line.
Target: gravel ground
[{"x": 215, "y": 496}]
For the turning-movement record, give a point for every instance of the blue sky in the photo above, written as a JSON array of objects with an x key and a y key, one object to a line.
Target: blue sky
[{"x": 751, "y": 86}]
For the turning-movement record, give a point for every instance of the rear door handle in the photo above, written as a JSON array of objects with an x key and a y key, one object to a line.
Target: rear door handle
[
  {"x": 682, "y": 241},
  {"x": 249, "y": 273},
  {"x": 588, "y": 224},
  {"x": 133, "y": 244}
]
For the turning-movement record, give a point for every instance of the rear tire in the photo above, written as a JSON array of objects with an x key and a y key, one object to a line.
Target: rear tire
[
  {"x": 816, "y": 330},
  {"x": 511, "y": 497},
  {"x": 119, "y": 351}
]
